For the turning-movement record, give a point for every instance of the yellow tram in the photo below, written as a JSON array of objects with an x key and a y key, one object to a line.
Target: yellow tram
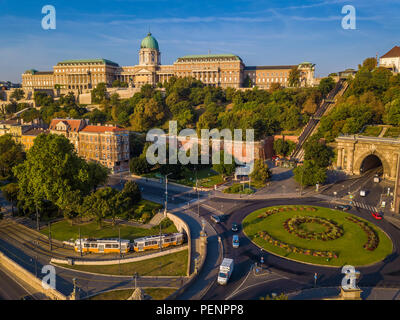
[
  {"x": 102, "y": 245},
  {"x": 153, "y": 242},
  {"x": 141, "y": 244}
]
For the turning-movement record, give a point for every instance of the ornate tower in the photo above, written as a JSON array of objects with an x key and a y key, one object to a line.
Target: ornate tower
[{"x": 149, "y": 54}]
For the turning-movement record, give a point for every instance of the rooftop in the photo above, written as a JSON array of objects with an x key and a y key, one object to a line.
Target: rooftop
[
  {"x": 207, "y": 56},
  {"x": 89, "y": 61},
  {"x": 100, "y": 129},
  {"x": 269, "y": 67},
  {"x": 393, "y": 53}
]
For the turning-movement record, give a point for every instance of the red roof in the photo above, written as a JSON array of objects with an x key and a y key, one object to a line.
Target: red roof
[
  {"x": 393, "y": 53},
  {"x": 100, "y": 129},
  {"x": 73, "y": 124}
]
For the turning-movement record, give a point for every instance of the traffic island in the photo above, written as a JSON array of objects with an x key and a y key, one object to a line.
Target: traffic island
[{"x": 317, "y": 235}]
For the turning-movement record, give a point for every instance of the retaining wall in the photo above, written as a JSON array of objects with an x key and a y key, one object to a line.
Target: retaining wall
[{"x": 25, "y": 276}]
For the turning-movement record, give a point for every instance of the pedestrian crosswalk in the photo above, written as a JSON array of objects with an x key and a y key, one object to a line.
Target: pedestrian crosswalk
[{"x": 365, "y": 206}]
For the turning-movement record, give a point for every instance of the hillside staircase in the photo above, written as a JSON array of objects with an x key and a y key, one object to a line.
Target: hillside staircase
[{"x": 311, "y": 127}]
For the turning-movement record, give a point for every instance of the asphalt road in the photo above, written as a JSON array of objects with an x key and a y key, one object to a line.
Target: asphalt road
[
  {"x": 295, "y": 276},
  {"x": 10, "y": 289}
]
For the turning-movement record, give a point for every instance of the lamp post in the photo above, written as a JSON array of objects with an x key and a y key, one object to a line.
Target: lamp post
[
  {"x": 51, "y": 247},
  {"x": 166, "y": 193},
  {"x": 198, "y": 198}
]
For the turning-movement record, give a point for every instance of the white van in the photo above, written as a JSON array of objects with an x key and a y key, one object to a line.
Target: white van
[{"x": 235, "y": 241}]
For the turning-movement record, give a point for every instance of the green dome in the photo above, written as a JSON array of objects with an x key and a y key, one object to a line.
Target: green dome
[{"x": 149, "y": 42}]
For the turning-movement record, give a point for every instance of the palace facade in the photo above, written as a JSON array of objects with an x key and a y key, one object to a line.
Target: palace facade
[{"x": 222, "y": 70}]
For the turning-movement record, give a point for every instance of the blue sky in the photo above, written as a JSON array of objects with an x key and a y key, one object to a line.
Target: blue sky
[{"x": 261, "y": 32}]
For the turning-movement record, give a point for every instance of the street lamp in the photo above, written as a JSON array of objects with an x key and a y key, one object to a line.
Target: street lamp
[{"x": 166, "y": 193}]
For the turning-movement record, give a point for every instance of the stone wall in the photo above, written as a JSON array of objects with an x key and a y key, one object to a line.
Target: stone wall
[{"x": 25, "y": 276}]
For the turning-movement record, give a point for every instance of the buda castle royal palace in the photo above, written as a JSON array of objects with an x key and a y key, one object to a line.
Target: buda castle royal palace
[{"x": 222, "y": 70}]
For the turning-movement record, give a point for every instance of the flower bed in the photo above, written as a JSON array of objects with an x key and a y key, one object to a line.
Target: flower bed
[
  {"x": 373, "y": 239},
  {"x": 333, "y": 230},
  {"x": 291, "y": 248},
  {"x": 283, "y": 209}
]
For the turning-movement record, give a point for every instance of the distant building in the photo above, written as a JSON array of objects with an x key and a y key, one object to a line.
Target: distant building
[
  {"x": 108, "y": 145},
  {"x": 29, "y": 136},
  {"x": 219, "y": 70},
  {"x": 391, "y": 60}
]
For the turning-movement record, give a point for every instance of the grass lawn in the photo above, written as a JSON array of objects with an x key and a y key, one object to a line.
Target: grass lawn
[
  {"x": 237, "y": 188},
  {"x": 372, "y": 131},
  {"x": 392, "y": 132},
  {"x": 349, "y": 246},
  {"x": 146, "y": 209},
  {"x": 155, "y": 293},
  {"x": 174, "y": 264},
  {"x": 207, "y": 177},
  {"x": 63, "y": 231}
]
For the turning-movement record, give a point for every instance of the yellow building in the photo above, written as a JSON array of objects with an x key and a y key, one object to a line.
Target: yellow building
[
  {"x": 223, "y": 70},
  {"x": 28, "y": 137}
]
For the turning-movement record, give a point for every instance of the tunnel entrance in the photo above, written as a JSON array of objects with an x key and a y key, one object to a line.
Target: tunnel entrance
[{"x": 371, "y": 162}]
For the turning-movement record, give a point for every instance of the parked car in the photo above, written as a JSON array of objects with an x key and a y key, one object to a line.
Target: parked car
[
  {"x": 235, "y": 227},
  {"x": 215, "y": 219},
  {"x": 363, "y": 193},
  {"x": 343, "y": 207},
  {"x": 377, "y": 215},
  {"x": 235, "y": 241}
]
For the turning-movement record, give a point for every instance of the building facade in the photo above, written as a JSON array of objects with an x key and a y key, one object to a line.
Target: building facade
[
  {"x": 222, "y": 70},
  {"x": 108, "y": 145},
  {"x": 391, "y": 60}
]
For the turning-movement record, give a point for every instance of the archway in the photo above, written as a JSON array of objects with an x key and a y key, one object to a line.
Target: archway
[{"x": 371, "y": 162}]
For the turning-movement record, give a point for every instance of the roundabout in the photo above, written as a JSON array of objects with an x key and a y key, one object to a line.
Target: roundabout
[{"x": 317, "y": 235}]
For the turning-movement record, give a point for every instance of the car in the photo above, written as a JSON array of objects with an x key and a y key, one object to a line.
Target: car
[
  {"x": 26, "y": 298},
  {"x": 215, "y": 219},
  {"x": 235, "y": 241},
  {"x": 235, "y": 227},
  {"x": 363, "y": 193},
  {"x": 377, "y": 215},
  {"x": 343, "y": 207}
]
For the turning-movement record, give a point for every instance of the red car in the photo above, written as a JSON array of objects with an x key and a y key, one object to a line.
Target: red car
[{"x": 377, "y": 215}]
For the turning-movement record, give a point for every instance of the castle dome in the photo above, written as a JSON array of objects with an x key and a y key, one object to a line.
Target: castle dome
[{"x": 149, "y": 43}]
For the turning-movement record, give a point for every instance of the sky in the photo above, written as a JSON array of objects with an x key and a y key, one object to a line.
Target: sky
[{"x": 274, "y": 32}]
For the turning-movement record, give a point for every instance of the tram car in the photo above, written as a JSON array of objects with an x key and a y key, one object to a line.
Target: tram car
[
  {"x": 153, "y": 242},
  {"x": 102, "y": 245}
]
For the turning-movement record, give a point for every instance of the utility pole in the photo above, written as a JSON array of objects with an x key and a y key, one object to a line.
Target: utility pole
[
  {"x": 160, "y": 239},
  {"x": 119, "y": 261},
  {"x": 166, "y": 193},
  {"x": 80, "y": 241}
]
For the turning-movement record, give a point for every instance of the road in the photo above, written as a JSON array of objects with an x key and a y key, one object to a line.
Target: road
[
  {"x": 10, "y": 288},
  {"x": 290, "y": 275}
]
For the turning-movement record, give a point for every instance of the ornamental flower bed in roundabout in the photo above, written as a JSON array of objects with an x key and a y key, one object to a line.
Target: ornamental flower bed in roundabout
[{"x": 317, "y": 235}]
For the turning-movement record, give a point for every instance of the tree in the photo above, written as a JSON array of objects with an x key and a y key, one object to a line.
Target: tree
[
  {"x": 148, "y": 114},
  {"x": 283, "y": 147},
  {"x": 11, "y": 155},
  {"x": 226, "y": 169},
  {"x": 261, "y": 172},
  {"x": 247, "y": 83},
  {"x": 99, "y": 205},
  {"x": 370, "y": 63},
  {"x": 98, "y": 174},
  {"x": 294, "y": 77},
  {"x": 10, "y": 192},
  {"x": 275, "y": 86},
  {"x": 326, "y": 85},
  {"x": 131, "y": 191},
  {"x": 318, "y": 152},
  {"x": 309, "y": 174},
  {"x": 53, "y": 172},
  {"x": 139, "y": 166},
  {"x": 99, "y": 94},
  {"x": 18, "y": 94}
]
